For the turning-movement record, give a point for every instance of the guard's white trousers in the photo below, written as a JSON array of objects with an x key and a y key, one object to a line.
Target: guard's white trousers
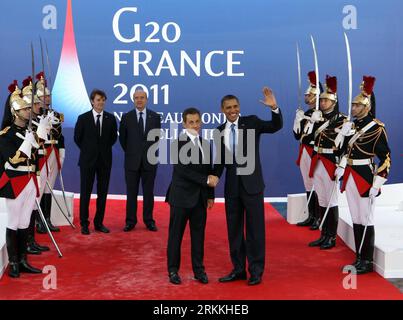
[{"x": 19, "y": 210}]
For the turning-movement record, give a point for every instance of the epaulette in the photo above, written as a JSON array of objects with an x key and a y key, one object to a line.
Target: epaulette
[
  {"x": 4, "y": 131},
  {"x": 379, "y": 122}
]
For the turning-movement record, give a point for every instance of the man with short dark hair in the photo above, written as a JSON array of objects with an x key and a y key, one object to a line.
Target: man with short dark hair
[
  {"x": 189, "y": 195},
  {"x": 134, "y": 129},
  {"x": 243, "y": 192},
  {"x": 95, "y": 133}
]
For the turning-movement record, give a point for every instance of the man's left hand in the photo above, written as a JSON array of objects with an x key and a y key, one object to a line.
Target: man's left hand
[{"x": 269, "y": 98}]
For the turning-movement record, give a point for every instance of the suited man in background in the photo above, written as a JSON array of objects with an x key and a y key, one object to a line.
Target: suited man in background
[
  {"x": 189, "y": 195},
  {"x": 133, "y": 131},
  {"x": 95, "y": 133},
  {"x": 243, "y": 192}
]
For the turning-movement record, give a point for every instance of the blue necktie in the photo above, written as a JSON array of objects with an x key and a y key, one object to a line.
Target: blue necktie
[{"x": 233, "y": 140}]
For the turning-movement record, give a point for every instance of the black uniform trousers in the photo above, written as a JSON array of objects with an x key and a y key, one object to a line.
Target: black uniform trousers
[
  {"x": 245, "y": 212},
  {"x": 179, "y": 217},
  {"x": 133, "y": 177},
  {"x": 87, "y": 181}
]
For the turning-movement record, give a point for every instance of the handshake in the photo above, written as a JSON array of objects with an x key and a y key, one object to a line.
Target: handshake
[{"x": 212, "y": 181}]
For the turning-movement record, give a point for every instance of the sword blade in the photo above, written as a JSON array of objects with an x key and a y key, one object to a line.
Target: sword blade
[
  {"x": 336, "y": 182},
  {"x": 366, "y": 225},
  {"x": 47, "y": 228},
  {"x": 58, "y": 204},
  {"x": 299, "y": 79},
  {"x": 317, "y": 73},
  {"x": 43, "y": 70},
  {"x": 64, "y": 193},
  {"x": 49, "y": 74},
  {"x": 33, "y": 91},
  {"x": 350, "y": 76}
]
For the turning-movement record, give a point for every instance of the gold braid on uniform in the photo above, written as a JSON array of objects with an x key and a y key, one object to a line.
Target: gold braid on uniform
[
  {"x": 17, "y": 158},
  {"x": 367, "y": 138},
  {"x": 4, "y": 131},
  {"x": 385, "y": 165},
  {"x": 331, "y": 131}
]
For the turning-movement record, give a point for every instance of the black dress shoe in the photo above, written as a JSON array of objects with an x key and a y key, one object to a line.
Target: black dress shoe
[
  {"x": 233, "y": 276},
  {"x": 14, "y": 270},
  {"x": 129, "y": 227},
  {"x": 307, "y": 222},
  {"x": 174, "y": 278},
  {"x": 352, "y": 265},
  {"x": 254, "y": 280},
  {"x": 27, "y": 268},
  {"x": 202, "y": 278},
  {"x": 329, "y": 243},
  {"x": 85, "y": 230},
  {"x": 39, "y": 247},
  {"x": 32, "y": 250},
  {"x": 102, "y": 229},
  {"x": 318, "y": 242},
  {"x": 52, "y": 227},
  {"x": 365, "y": 266},
  {"x": 315, "y": 225},
  {"x": 152, "y": 227}
]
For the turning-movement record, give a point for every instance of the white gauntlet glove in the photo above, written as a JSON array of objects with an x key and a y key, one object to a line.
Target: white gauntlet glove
[
  {"x": 299, "y": 116},
  {"x": 316, "y": 116},
  {"x": 43, "y": 128},
  {"x": 28, "y": 143},
  {"x": 345, "y": 131}
]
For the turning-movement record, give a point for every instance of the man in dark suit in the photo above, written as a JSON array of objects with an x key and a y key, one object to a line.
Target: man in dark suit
[
  {"x": 134, "y": 129},
  {"x": 238, "y": 151},
  {"x": 95, "y": 133},
  {"x": 189, "y": 194}
]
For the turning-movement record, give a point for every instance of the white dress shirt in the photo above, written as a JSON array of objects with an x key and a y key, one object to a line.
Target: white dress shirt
[{"x": 195, "y": 140}]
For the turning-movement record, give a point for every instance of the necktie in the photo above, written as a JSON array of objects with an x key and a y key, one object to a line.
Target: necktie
[
  {"x": 99, "y": 125},
  {"x": 233, "y": 140},
  {"x": 141, "y": 124},
  {"x": 198, "y": 144}
]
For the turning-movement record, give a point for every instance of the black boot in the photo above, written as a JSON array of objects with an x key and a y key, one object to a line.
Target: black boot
[
  {"x": 22, "y": 253},
  {"x": 46, "y": 206},
  {"x": 31, "y": 249},
  {"x": 357, "y": 241},
  {"x": 40, "y": 227},
  {"x": 37, "y": 246},
  {"x": 316, "y": 222},
  {"x": 311, "y": 213},
  {"x": 332, "y": 223},
  {"x": 367, "y": 253},
  {"x": 49, "y": 211},
  {"x": 323, "y": 234},
  {"x": 12, "y": 250}
]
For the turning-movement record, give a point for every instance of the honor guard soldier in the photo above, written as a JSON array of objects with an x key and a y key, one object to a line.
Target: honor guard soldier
[
  {"x": 305, "y": 152},
  {"x": 55, "y": 144},
  {"x": 18, "y": 182},
  {"x": 40, "y": 126},
  {"x": 325, "y": 159},
  {"x": 362, "y": 179}
]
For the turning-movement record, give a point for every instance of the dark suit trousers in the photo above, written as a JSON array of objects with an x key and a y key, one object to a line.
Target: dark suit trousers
[
  {"x": 87, "y": 181},
  {"x": 197, "y": 217},
  {"x": 240, "y": 210},
  {"x": 132, "y": 189}
]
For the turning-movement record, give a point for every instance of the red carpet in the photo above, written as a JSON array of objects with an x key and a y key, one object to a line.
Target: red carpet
[{"x": 133, "y": 265}]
